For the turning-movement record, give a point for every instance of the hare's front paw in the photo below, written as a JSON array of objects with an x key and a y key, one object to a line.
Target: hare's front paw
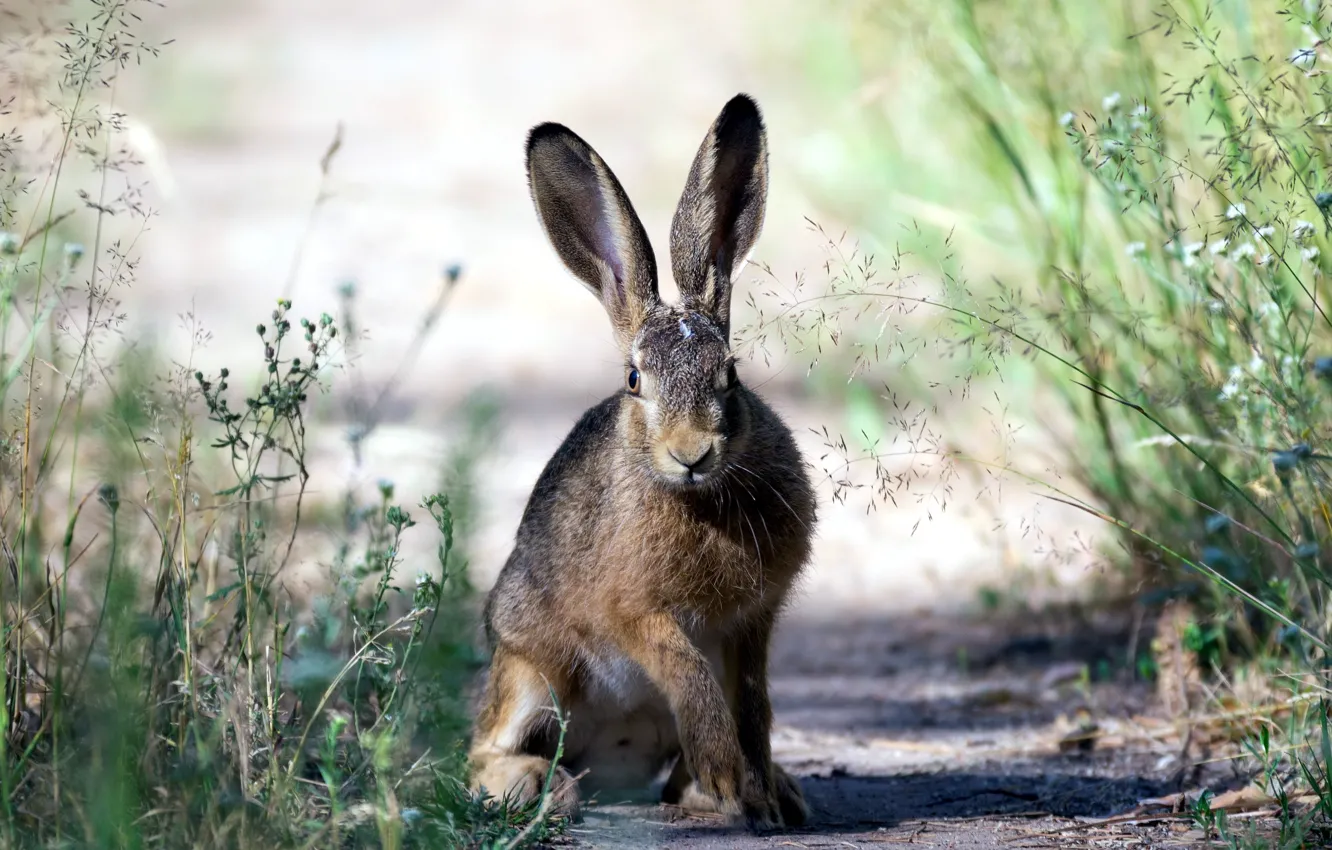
[
  {"x": 521, "y": 779},
  {"x": 696, "y": 800},
  {"x": 762, "y": 812},
  {"x": 775, "y": 803},
  {"x": 790, "y": 799},
  {"x": 756, "y": 809},
  {"x": 714, "y": 790}
]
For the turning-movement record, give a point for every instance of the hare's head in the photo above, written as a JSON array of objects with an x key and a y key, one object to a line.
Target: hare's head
[{"x": 684, "y": 412}]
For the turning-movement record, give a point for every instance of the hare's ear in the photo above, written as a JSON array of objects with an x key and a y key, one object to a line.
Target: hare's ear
[
  {"x": 721, "y": 212},
  {"x": 592, "y": 225}
]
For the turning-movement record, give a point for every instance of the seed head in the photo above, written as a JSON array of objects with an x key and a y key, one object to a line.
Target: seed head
[
  {"x": 1304, "y": 58},
  {"x": 1284, "y": 463},
  {"x": 109, "y": 496}
]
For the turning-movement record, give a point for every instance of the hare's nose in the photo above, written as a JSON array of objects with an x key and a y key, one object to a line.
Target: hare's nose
[{"x": 691, "y": 460}]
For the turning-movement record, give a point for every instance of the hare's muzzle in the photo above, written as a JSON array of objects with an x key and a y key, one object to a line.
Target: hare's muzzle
[{"x": 688, "y": 458}]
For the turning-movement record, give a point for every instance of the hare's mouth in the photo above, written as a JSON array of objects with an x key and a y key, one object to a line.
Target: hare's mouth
[
  {"x": 691, "y": 479},
  {"x": 687, "y": 481}
]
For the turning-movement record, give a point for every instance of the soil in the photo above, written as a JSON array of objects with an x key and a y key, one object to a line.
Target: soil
[{"x": 945, "y": 732}]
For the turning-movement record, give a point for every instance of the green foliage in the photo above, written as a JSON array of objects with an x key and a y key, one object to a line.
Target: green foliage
[
  {"x": 1178, "y": 282},
  {"x": 1146, "y": 186},
  {"x": 1171, "y": 294},
  {"x": 162, "y": 682}
]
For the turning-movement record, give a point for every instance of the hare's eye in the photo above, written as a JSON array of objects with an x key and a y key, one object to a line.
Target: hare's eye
[{"x": 633, "y": 381}]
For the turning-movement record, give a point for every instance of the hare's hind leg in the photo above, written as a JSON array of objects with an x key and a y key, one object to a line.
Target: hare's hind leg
[{"x": 509, "y": 755}]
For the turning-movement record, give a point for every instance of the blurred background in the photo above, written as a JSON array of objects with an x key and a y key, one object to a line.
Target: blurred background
[{"x": 432, "y": 101}]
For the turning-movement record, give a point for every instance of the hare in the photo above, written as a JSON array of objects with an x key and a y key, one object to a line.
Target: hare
[{"x": 661, "y": 540}]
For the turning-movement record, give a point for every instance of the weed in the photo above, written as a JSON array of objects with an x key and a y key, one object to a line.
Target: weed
[
  {"x": 165, "y": 680},
  {"x": 1148, "y": 184}
]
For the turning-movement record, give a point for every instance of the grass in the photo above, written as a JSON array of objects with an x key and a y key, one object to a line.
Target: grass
[
  {"x": 199, "y": 649},
  {"x": 1146, "y": 186}
]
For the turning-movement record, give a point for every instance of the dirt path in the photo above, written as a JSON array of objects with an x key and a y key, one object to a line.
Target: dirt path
[
  {"x": 936, "y": 731},
  {"x": 435, "y": 99}
]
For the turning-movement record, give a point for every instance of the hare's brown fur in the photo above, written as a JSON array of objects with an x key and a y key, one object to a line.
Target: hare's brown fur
[{"x": 662, "y": 539}]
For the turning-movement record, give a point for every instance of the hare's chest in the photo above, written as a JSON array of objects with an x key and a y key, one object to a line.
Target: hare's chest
[
  {"x": 712, "y": 569},
  {"x": 723, "y": 578}
]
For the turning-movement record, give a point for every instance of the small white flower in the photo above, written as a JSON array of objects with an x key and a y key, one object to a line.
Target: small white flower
[
  {"x": 1215, "y": 306},
  {"x": 1067, "y": 119},
  {"x": 1304, "y": 58},
  {"x": 1263, "y": 232},
  {"x": 1236, "y": 373},
  {"x": 1137, "y": 118},
  {"x": 1310, "y": 253},
  {"x": 1262, "y": 259},
  {"x": 1244, "y": 251},
  {"x": 1133, "y": 249},
  {"x": 1302, "y": 230},
  {"x": 1184, "y": 252},
  {"x": 1111, "y": 101},
  {"x": 1111, "y": 146},
  {"x": 1188, "y": 254},
  {"x": 1218, "y": 246},
  {"x": 1256, "y": 363},
  {"x": 1236, "y": 211}
]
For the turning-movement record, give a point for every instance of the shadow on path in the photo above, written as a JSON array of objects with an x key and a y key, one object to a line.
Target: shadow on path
[{"x": 905, "y": 725}]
